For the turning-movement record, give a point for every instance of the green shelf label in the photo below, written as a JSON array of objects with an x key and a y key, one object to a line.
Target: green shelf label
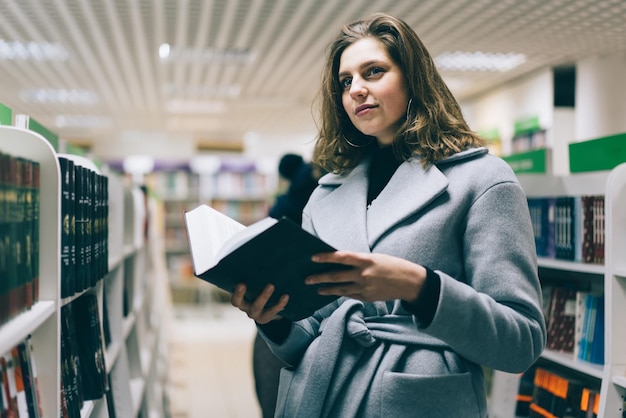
[
  {"x": 52, "y": 138},
  {"x": 527, "y": 125},
  {"x": 598, "y": 154},
  {"x": 6, "y": 117},
  {"x": 528, "y": 162}
]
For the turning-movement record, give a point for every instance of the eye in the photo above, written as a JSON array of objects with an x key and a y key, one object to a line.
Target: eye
[
  {"x": 374, "y": 71},
  {"x": 345, "y": 82}
]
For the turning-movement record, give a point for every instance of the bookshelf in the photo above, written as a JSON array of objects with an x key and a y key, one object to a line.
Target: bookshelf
[
  {"x": 234, "y": 186},
  {"x": 130, "y": 295},
  {"x": 608, "y": 278}
]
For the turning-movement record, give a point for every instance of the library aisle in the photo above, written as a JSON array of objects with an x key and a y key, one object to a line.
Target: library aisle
[{"x": 211, "y": 362}]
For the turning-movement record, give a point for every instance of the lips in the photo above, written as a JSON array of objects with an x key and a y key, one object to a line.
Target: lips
[{"x": 362, "y": 108}]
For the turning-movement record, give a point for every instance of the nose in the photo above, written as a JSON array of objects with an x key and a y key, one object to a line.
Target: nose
[{"x": 357, "y": 88}]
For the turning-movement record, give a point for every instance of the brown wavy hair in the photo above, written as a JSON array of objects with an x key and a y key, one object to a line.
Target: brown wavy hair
[{"x": 434, "y": 128}]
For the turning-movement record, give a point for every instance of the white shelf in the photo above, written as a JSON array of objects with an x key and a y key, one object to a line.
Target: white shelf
[
  {"x": 20, "y": 327},
  {"x": 568, "y": 360},
  {"x": 572, "y": 266},
  {"x": 127, "y": 247},
  {"x": 611, "y": 184}
]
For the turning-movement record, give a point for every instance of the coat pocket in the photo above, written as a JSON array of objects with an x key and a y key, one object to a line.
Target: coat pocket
[{"x": 409, "y": 395}]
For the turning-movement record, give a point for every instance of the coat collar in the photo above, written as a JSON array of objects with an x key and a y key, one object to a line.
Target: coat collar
[{"x": 409, "y": 190}]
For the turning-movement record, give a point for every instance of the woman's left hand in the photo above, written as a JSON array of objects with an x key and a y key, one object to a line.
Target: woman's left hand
[{"x": 373, "y": 277}]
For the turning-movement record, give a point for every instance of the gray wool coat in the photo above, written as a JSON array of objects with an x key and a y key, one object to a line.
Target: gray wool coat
[{"x": 467, "y": 219}]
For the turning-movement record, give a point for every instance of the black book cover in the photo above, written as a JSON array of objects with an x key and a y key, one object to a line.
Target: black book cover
[
  {"x": 67, "y": 210},
  {"x": 4, "y": 238},
  {"x": 81, "y": 228},
  {"x": 95, "y": 228},
  {"x": 30, "y": 388},
  {"x": 89, "y": 342},
  {"x": 279, "y": 254},
  {"x": 36, "y": 216},
  {"x": 70, "y": 364}
]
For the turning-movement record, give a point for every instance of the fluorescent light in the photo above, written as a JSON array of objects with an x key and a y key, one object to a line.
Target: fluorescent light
[
  {"x": 479, "y": 61},
  {"x": 226, "y": 90},
  {"x": 36, "y": 51},
  {"x": 61, "y": 96},
  {"x": 206, "y": 55},
  {"x": 195, "y": 106},
  {"x": 82, "y": 121},
  {"x": 164, "y": 51}
]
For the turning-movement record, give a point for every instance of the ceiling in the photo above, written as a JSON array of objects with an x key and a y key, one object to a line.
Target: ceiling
[{"x": 238, "y": 66}]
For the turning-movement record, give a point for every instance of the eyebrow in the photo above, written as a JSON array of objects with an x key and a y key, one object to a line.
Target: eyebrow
[{"x": 363, "y": 65}]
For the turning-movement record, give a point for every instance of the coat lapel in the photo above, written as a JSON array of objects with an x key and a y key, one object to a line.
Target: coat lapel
[
  {"x": 343, "y": 210},
  {"x": 409, "y": 190}
]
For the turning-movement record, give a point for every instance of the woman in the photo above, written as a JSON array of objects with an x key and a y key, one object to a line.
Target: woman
[{"x": 438, "y": 234}]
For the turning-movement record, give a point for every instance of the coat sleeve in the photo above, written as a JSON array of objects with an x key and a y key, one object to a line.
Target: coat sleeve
[{"x": 495, "y": 318}]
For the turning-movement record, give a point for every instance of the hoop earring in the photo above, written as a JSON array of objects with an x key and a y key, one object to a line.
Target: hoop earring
[
  {"x": 354, "y": 145},
  {"x": 408, "y": 108}
]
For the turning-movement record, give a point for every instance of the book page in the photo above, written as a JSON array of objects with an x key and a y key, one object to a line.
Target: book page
[{"x": 208, "y": 230}]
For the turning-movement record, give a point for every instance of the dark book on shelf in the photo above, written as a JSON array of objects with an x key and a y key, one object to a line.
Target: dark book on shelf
[
  {"x": 5, "y": 282},
  {"x": 82, "y": 213},
  {"x": 26, "y": 231},
  {"x": 68, "y": 286},
  {"x": 542, "y": 214},
  {"x": 100, "y": 227},
  {"x": 71, "y": 383},
  {"x": 90, "y": 346},
  {"x": 593, "y": 229},
  {"x": 36, "y": 196},
  {"x": 29, "y": 374},
  {"x": 8, "y": 388},
  {"x": 11, "y": 237},
  {"x": 566, "y": 227},
  {"x": 596, "y": 349},
  {"x": 562, "y": 320},
  {"x": 225, "y": 253}
]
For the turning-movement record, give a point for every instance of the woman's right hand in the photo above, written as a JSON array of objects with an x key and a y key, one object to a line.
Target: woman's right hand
[{"x": 257, "y": 310}]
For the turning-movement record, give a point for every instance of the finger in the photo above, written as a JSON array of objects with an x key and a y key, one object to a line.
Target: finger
[
  {"x": 236, "y": 299},
  {"x": 340, "y": 257},
  {"x": 272, "y": 313},
  {"x": 258, "y": 306},
  {"x": 335, "y": 276},
  {"x": 343, "y": 289}
]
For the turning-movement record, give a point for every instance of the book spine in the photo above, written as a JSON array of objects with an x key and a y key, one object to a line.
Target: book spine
[
  {"x": 67, "y": 269},
  {"x": 36, "y": 196},
  {"x": 20, "y": 390},
  {"x": 27, "y": 232},
  {"x": 90, "y": 349},
  {"x": 11, "y": 388},
  {"x": 70, "y": 363},
  {"x": 81, "y": 228},
  {"x": 4, "y": 234},
  {"x": 12, "y": 239}
]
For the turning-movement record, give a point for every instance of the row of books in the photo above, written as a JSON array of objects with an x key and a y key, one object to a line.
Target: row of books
[
  {"x": 84, "y": 224},
  {"x": 569, "y": 227},
  {"x": 83, "y": 368},
  {"x": 19, "y": 235},
  {"x": 19, "y": 388},
  {"x": 527, "y": 141},
  {"x": 575, "y": 321},
  {"x": 547, "y": 393}
]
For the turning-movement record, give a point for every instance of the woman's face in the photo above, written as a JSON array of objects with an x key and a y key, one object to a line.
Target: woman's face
[{"x": 375, "y": 95}]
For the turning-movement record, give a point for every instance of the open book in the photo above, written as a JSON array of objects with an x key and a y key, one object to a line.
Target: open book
[{"x": 225, "y": 253}]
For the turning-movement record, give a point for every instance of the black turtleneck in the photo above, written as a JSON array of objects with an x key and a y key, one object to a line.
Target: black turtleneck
[{"x": 382, "y": 166}]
